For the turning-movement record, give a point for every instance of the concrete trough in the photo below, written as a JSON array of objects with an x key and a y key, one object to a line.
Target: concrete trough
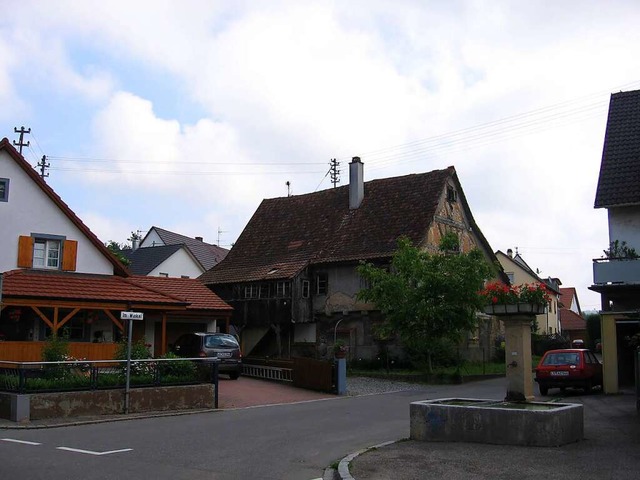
[{"x": 501, "y": 423}]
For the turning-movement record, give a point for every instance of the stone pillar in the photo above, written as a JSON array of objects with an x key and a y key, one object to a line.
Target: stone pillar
[
  {"x": 609, "y": 353},
  {"x": 518, "y": 357}
]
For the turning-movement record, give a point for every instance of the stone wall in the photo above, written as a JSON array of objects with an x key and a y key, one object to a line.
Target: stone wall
[{"x": 106, "y": 402}]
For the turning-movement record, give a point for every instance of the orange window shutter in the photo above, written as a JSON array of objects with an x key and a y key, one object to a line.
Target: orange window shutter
[
  {"x": 69, "y": 254},
  {"x": 25, "y": 252}
]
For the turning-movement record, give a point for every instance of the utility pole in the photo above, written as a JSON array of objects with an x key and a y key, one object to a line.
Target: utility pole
[
  {"x": 20, "y": 142},
  {"x": 288, "y": 184},
  {"x": 43, "y": 166},
  {"x": 335, "y": 172}
]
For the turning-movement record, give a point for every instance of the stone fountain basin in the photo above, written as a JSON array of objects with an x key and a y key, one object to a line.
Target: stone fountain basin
[{"x": 538, "y": 424}]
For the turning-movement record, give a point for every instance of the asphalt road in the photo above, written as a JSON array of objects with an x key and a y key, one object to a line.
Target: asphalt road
[{"x": 289, "y": 442}]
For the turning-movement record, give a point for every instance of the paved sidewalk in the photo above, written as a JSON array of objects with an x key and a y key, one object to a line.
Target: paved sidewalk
[{"x": 610, "y": 450}]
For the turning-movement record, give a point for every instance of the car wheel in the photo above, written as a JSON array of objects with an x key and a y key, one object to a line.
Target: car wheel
[
  {"x": 543, "y": 389},
  {"x": 234, "y": 376}
]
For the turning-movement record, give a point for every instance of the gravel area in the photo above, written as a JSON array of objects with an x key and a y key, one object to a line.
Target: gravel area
[{"x": 367, "y": 386}]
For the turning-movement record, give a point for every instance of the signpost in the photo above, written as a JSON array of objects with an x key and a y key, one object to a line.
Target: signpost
[{"x": 131, "y": 316}]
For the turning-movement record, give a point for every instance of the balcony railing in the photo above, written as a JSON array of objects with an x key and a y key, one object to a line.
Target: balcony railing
[{"x": 616, "y": 271}]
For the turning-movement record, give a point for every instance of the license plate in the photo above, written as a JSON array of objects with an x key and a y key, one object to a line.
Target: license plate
[
  {"x": 224, "y": 355},
  {"x": 560, "y": 374}
]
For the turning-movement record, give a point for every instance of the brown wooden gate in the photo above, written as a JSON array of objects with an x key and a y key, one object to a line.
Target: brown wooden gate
[{"x": 313, "y": 374}]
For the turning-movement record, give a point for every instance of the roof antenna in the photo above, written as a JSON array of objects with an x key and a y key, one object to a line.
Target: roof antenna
[{"x": 288, "y": 184}]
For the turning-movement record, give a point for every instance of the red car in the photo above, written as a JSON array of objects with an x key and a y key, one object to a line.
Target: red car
[{"x": 573, "y": 367}]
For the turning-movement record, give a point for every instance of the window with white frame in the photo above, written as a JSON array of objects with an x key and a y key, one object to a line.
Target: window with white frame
[
  {"x": 511, "y": 277},
  {"x": 4, "y": 189},
  {"x": 322, "y": 284},
  {"x": 46, "y": 253},
  {"x": 251, "y": 291},
  {"x": 283, "y": 289}
]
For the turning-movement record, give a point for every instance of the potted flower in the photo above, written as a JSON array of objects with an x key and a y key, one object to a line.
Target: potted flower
[
  {"x": 502, "y": 299},
  {"x": 339, "y": 349}
]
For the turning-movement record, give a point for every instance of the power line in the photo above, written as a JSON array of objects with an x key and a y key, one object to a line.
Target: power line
[
  {"x": 182, "y": 173},
  {"x": 167, "y": 162}
]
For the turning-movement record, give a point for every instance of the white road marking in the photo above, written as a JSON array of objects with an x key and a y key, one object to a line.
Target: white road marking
[
  {"x": 24, "y": 442},
  {"x": 89, "y": 452}
]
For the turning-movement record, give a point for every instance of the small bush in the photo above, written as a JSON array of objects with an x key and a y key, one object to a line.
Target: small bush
[
  {"x": 139, "y": 351},
  {"x": 177, "y": 368},
  {"x": 56, "y": 349}
]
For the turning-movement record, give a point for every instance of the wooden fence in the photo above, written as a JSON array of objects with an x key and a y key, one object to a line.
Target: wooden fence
[
  {"x": 313, "y": 374},
  {"x": 32, "y": 351}
]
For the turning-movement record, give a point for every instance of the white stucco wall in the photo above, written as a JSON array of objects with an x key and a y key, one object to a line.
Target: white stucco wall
[
  {"x": 178, "y": 264},
  {"x": 152, "y": 240},
  {"x": 624, "y": 225},
  {"x": 29, "y": 210}
]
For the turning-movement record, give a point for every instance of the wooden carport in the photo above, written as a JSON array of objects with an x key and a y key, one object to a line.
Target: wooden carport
[{"x": 57, "y": 298}]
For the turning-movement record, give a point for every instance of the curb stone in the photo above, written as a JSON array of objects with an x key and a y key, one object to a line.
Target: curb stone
[{"x": 343, "y": 466}]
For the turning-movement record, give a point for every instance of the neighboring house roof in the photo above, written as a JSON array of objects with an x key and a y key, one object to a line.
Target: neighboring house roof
[
  {"x": 570, "y": 320},
  {"x": 286, "y": 234},
  {"x": 207, "y": 254},
  {"x": 619, "y": 181},
  {"x": 5, "y": 145},
  {"x": 82, "y": 287},
  {"x": 551, "y": 283},
  {"x": 190, "y": 290},
  {"x": 145, "y": 260},
  {"x": 566, "y": 297}
]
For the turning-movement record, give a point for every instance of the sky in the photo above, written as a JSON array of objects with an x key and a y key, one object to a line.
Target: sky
[{"x": 186, "y": 114}]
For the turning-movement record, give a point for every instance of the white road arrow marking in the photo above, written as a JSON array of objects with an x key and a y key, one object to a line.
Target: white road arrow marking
[
  {"x": 24, "y": 442},
  {"x": 89, "y": 452}
]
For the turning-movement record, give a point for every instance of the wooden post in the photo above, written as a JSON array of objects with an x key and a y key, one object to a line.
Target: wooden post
[
  {"x": 163, "y": 346},
  {"x": 55, "y": 321}
]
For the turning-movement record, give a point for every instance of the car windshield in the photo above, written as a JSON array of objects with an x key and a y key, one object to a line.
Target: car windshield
[
  {"x": 564, "y": 358},
  {"x": 213, "y": 341}
]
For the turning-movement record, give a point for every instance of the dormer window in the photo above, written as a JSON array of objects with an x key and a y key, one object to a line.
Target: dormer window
[{"x": 4, "y": 189}]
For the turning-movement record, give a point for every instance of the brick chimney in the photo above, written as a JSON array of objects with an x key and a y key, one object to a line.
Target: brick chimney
[{"x": 356, "y": 183}]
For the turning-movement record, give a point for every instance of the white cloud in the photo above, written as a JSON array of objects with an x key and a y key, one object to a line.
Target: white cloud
[{"x": 286, "y": 81}]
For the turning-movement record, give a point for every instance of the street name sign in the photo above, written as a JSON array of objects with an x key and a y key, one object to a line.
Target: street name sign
[{"x": 131, "y": 316}]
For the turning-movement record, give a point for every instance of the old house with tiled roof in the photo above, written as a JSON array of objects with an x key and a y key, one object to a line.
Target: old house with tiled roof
[
  {"x": 574, "y": 326},
  {"x": 617, "y": 277},
  {"x": 57, "y": 276},
  {"x": 291, "y": 276}
]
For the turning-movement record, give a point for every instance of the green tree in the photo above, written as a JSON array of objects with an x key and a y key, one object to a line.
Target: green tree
[
  {"x": 426, "y": 299},
  {"x": 116, "y": 249},
  {"x": 593, "y": 329}
]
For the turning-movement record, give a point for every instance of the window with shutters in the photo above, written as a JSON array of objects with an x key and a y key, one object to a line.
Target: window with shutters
[
  {"x": 53, "y": 252},
  {"x": 46, "y": 253}
]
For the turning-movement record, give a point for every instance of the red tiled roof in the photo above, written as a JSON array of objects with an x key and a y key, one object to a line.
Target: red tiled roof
[
  {"x": 566, "y": 296},
  {"x": 190, "y": 290},
  {"x": 286, "y": 234},
  {"x": 570, "y": 320},
  {"x": 5, "y": 145},
  {"x": 81, "y": 287}
]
